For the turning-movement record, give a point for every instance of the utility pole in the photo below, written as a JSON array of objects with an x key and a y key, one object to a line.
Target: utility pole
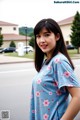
[
  {"x": 0, "y": 30},
  {"x": 1, "y": 37},
  {"x": 26, "y": 34}
]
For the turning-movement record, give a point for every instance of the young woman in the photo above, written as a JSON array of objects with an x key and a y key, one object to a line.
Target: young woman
[{"x": 55, "y": 79}]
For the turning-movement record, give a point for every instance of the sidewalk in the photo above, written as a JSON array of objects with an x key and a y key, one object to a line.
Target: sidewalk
[
  {"x": 8, "y": 59},
  {"x": 77, "y": 56}
]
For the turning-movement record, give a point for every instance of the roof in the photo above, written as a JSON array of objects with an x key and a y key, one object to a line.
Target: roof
[
  {"x": 2, "y": 23},
  {"x": 15, "y": 37},
  {"x": 66, "y": 21}
]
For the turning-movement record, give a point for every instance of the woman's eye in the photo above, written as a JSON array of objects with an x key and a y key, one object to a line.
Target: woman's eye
[
  {"x": 37, "y": 36},
  {"x": 46, "y": 35}
]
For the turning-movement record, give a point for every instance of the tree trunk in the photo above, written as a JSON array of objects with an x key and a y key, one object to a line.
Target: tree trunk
[{"x": 78, "y": 50}]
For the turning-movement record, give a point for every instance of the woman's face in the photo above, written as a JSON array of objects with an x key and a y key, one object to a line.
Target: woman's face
[{"x": 47, "y": 41}]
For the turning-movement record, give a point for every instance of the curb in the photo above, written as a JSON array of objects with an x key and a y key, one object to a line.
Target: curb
[
  {"x": 15, "y": 62},
  {"x": 27, "y": 61},
  {"x": 75, "y": 58}
]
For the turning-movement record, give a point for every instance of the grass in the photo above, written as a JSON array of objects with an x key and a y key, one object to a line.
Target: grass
[
  {"x": 72, "y": 53},
  {"x": 30, "y": 55}
]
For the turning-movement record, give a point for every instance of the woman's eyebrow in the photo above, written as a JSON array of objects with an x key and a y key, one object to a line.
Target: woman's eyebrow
[
  {"x": 43, "y": 33},
  {"x": 46, "y": 32}
]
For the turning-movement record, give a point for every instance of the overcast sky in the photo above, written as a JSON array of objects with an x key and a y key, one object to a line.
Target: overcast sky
[{"x": 29, "y": 12}]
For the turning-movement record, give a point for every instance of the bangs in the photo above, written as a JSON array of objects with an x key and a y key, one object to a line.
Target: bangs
[{"x": 44, "y": 24}]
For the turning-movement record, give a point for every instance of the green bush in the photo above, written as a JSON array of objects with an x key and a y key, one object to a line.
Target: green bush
[{"x": 12, "y": 44}]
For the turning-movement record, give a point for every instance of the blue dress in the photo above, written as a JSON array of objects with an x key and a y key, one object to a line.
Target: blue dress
[{"x": 49, "y": 98}]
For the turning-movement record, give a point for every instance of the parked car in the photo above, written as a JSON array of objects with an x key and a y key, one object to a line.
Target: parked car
[
  {"x": 1, "y": 50},
  {"x": 26, "y": 49},
  {"x": 7, "y": 50},
  {"x": 69, "y": 47}
]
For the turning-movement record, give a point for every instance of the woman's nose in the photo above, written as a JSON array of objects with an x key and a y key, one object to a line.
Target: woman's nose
[{"x": 42, "y": 39}]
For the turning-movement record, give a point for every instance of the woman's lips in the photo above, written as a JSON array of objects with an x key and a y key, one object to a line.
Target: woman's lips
[{"x": 43, "y": 46}]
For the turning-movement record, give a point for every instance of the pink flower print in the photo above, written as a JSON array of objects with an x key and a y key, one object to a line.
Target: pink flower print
[
  {"x": 45, "y": 85},
  {"x": 57, "y": 60},
  {"x": 55, "y": 72},
  {"x": 67, "y": 74},
  {"x": 49, "y": 68},
  {"x": 50, "y": 93},
  {"x": 46, "y": 103},
  {"x": 58, "y": 92},
  {"x": 33, "y": 111},
  {"x": 55, "y": 83},
  {"x": 45, "y": 116},
  {"x": 38, "y": 81},
  {"x": 52, "y": 100},
  {"x": 37, "y": 93},
  {"x": 48, "y": 109}
]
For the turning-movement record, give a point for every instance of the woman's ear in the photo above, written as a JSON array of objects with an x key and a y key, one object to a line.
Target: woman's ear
[{"x": 57, "y": 36}]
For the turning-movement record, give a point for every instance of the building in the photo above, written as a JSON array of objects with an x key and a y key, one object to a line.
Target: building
[
  {"x": 10, "y": 33},
  {"x": 65, "y": 26}
]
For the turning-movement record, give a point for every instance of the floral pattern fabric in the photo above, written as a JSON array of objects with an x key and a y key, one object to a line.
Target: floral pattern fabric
[{"x": 49, "y": 98}]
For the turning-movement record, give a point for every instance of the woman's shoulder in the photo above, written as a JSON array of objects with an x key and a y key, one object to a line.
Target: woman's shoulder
[
  {"x": 59, "y": 57},
  {"x": 60, "y": 60}
]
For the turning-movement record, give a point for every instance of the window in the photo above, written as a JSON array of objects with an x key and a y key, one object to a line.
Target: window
[
  {"x": 67, "y": 42},
  {"x": 14, "y": 28},
  {"x": 0, "y": 29}
]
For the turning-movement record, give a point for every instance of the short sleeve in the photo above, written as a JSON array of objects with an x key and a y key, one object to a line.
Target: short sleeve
[{"x": 65, "y": 74}]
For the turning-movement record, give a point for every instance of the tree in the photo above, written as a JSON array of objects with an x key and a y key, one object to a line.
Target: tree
[
  {"x": 31, "y": 42},
  {"x": 75, "y": 28},
  {"x": 12, "y": 44},
  {"x": 1, "y": 40}
]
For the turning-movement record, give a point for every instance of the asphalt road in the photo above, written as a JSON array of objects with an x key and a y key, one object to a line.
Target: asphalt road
[{"x": 15, "y": 88}]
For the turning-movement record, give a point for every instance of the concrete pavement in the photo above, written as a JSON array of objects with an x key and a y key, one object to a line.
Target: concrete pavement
[{"x": 9, "y": 59}]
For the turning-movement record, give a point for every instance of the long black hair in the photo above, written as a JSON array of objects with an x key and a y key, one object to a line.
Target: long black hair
[{"x": 52, "y": 26}]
